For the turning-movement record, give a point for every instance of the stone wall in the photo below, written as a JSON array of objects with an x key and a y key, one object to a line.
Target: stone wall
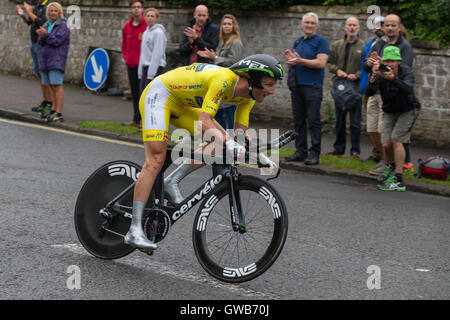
[{"x": 262, "y": 32}]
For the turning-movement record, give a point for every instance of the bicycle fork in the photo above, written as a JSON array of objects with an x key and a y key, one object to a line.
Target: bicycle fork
[{"x": 237, "y": 216}]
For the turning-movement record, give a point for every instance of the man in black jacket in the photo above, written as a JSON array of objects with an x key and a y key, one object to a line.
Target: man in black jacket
[
  {"x": 395, "y": 81},
  {"x": 35, "y": 17},
  {"x": 393, "y": 37},
  {"x": 198, "y": 35}
]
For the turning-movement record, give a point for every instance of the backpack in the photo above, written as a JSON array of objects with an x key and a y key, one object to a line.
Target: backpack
[
  {"x": 345, "y": 95},
  {"x": 434, "y": 168}
]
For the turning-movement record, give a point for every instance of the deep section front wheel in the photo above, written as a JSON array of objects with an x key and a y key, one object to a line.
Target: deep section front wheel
[
  {"x": 234, "y": 256},
  {"x": 98, "y": 235}
]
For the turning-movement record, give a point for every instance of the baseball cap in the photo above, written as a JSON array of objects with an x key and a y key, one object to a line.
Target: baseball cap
[
  {"x": 391, "y": 53},
  {"x": 378, "y": 21}
]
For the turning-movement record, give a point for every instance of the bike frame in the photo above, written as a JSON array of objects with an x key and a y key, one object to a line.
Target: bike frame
[{"x": 221, "y": 173}]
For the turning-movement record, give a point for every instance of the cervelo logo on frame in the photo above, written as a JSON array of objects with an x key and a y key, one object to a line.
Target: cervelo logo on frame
[{"x": 211, "y": 184}]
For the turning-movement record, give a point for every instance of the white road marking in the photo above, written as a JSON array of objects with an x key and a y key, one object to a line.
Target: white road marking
[
  {"x": 169, "y": 270},
  {"x": 84, "y": 135}
]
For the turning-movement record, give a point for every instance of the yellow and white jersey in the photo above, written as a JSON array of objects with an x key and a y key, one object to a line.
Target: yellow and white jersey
[{"x": 185, "y": 92}]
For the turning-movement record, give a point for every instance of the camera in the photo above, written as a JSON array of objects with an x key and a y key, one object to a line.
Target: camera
[{"x": 384, "y": 68}]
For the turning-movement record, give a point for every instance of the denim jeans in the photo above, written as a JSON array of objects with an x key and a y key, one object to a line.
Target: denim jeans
[
  {"x": 306, "y": 101},
  {"x": 35, "y": 50},
  {"x": 355, "y": 130}
]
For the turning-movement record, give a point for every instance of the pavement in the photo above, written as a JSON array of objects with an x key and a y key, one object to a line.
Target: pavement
[{"x": 18, "y": 95}]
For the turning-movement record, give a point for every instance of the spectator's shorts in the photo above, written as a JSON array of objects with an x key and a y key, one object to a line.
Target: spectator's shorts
[
  {"x": 374, "y": 114},
  {"x": 53, "y": 77},
  {"x": 35, "y": 50},
  {"x": 398, "y": 126}
]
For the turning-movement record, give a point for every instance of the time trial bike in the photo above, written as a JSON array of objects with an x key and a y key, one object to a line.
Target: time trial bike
[{"x": 238, "y": 232}]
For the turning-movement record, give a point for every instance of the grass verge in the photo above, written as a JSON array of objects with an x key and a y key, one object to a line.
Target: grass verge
[
  {"x": 109, "y": 126},
  {"x": 353, "y": 164}
]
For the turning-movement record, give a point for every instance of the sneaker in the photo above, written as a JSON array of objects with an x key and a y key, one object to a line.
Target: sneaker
[
  {"x": 40, "y": 107},
  {"x": 388, "y": 170},
  {"x": 312, "y": 159},
  {"x": 392, "y": 184},
  {"x": 372, "y": 158},
  {"x": 334, "y": 153},
  {"x": 355, "y": 155},
  {"x": 53, "y": 117},
  {"x": 297, "y": 156},
  {"x": 377, "y": 169},
  {"x": 46, "y": 111},
  {"x": 408, "y": 167}
]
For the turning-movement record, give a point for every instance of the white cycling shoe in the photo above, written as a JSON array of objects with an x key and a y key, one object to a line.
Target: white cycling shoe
[{"x": 137, "y": 239}]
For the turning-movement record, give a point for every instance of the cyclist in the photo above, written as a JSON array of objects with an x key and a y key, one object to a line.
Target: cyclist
[{"x": 184, "y": 96}]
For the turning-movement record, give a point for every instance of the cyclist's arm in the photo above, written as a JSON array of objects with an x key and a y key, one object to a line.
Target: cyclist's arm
[
  {"x": 242, "y": 114},
  {"x": 208, "y": 123},
  {"x": 210, "y": 106}
]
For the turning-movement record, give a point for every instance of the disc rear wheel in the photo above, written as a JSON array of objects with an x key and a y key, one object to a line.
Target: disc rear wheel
[{"x": 99, "y": 189}]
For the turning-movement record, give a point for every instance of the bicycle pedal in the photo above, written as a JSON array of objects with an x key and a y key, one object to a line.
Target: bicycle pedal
[{"x": 148, "y": 252}]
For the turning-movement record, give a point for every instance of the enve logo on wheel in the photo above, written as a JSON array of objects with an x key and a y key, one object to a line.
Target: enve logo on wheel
[{"x": 122, "y": 169}]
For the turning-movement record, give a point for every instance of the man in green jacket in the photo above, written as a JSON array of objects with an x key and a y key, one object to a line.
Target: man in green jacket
[{"x": 345, "y": 63}]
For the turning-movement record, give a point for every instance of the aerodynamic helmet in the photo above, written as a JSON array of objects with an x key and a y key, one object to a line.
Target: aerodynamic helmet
[{"x": 255, "y": 67}]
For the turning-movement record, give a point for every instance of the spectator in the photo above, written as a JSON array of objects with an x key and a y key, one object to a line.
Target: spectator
[
  {"x": 131, "y": 49},
  {"x": 54, "y": 38},
  {"x": 395, "y": 80},
  {"x": 393, "y": 30},
  {"x": 408, "y": 164},
  {"x": 345, "y": 63},
  {"x": 373, "y": 104},
  {"x": 309, "y": 58},
  {"x": 200, "y": 34},
  {"x": 228, "y": 52},
  {"x": 35, "y": 18},
  {"x": 153, "y": 49}
]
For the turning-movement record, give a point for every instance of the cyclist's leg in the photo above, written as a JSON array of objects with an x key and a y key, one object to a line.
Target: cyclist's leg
[
  {"x": 186, "y": 120},
  {"x": 155, "y": 114},
  {"x": 155, "y": 153}
]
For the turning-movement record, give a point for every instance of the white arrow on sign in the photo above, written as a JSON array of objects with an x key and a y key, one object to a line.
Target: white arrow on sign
[{"x": 97, "y": 77}]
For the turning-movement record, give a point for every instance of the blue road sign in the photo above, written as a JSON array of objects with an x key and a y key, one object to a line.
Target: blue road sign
[{"x": 96, "y": 69}]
